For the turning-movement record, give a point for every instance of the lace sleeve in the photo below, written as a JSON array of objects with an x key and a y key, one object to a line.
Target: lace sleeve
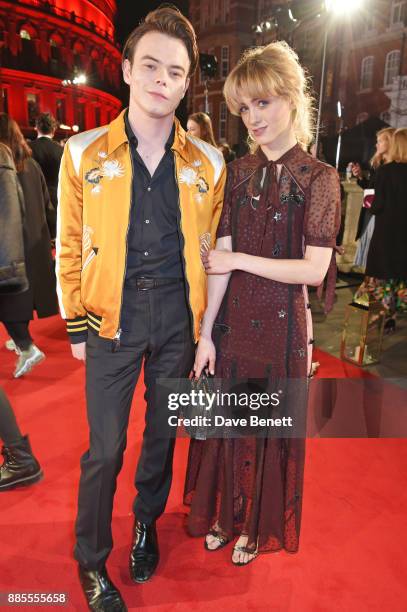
[
  {"x": 323, "y": 214},
  {"x": 225, "y": 223}
]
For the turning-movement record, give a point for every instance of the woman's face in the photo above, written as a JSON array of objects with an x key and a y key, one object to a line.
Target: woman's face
[
  {"x": 194, "y": 128},
  {"x": 268, "y": 120},
  {"x": 382, "y": 144}
]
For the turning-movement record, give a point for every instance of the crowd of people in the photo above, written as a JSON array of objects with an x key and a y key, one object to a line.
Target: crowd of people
[
  {"x": 199, "y": 264},
  {"x": 382, "y": 224}
]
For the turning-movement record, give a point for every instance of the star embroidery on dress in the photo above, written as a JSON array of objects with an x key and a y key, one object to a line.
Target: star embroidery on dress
[
  {"x": 301, "y": 352},
  {"x": 277, "y": 250},
  {"x": 254, "y": 202},
  {"x": 277, "y": 216},
  {"x": 281, "y": 314}
]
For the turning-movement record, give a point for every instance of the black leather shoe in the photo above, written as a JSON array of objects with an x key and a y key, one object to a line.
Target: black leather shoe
[
  {"x": 144, "y": 554},
  {"x": 100, "y": 592},
  {"x": 20, "y": 467}
]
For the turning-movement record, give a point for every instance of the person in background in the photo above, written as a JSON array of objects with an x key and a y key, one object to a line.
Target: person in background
[
  {"x": 366, "y": 219},
  {"x": 20, "y": 467},
  {"x": 200, "y": 126},
  {"x": 386, "y": 266},
  {"x": 17, "y": 310},
  {"x": 228, "y": 153},
  {"x": 48, "y": 153}
]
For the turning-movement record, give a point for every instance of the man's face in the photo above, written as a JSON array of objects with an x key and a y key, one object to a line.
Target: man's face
[{"x": 158, "y": 78}]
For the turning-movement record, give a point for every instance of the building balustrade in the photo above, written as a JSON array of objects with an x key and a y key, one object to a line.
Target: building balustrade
[
  {"x": 29, "y": 61},
  {"x": 47, "y": 7}
]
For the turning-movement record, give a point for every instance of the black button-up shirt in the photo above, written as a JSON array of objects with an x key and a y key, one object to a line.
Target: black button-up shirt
[{"x": 153, "y": 240}]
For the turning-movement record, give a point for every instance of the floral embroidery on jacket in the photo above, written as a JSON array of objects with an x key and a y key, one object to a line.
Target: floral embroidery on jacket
[
  {"x": 106, "y": 168},
  {"x": 193, "y": 177}
]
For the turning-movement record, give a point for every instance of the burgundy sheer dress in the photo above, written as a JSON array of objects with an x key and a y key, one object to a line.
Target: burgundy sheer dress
[{"x": 253, "y": 486}]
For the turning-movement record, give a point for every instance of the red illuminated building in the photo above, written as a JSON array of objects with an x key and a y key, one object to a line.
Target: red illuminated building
[{"x": 42, "y": 44}]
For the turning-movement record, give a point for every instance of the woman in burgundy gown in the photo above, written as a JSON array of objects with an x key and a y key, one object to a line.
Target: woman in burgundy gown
[{"x": 278, "y": 227}]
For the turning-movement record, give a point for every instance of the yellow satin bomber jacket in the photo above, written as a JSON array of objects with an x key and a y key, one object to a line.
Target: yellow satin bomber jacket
[{"x": 94, "y": 201}]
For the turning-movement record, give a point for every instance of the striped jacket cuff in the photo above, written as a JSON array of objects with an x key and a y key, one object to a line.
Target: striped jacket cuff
[{"x": 77, "y": 329}]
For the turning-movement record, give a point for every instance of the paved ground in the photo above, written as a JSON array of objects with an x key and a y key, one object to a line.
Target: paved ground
[{"x": 328, "y": 331}]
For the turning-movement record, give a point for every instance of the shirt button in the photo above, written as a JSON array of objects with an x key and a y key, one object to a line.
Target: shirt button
[
  {"x": 148, "y": 188},
  {"x": 147, "y": 221},
  {"x": 146, "y": 253}
]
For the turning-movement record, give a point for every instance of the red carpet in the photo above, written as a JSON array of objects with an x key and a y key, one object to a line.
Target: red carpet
[{"x": 354, "y": 520}]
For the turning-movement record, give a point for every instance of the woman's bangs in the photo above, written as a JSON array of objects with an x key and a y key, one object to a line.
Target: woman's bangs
[{"x": 250, "y": 80}]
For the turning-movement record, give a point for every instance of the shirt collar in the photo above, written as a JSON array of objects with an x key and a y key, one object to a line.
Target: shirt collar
[
  {"x": 132, "y": 138},
  {"x": 286, "y": 157},
  {"x": 117, "y": 135}
]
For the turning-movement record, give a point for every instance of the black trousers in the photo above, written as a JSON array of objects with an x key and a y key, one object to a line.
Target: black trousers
[
  {"x": 156, "y": 327},
  {"x": 20, "y": 333},
  {"x": 9, "y": 430}
]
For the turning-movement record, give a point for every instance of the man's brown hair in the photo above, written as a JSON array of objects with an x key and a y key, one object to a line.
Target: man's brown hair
[{"x": 166, "y": 19}]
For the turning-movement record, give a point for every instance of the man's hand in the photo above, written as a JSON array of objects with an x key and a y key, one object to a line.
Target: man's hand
[
  {"x": 79, "y": 351},
  {"x": 218, "y": 261}
]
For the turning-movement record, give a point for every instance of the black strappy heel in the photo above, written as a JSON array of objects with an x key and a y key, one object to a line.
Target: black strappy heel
[
  {"x": 244, "y": 550},
  {"x": 221, "y": 539}
]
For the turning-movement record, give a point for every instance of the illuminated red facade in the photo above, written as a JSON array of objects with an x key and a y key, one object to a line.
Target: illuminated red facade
[{"x": 43, "y": 43}]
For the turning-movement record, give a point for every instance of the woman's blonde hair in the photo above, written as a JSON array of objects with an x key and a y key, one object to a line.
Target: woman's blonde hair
[
  {"x": 398, "y": 146},
  {"x": 378, "y": 158},
  {"x": 205, "y": 124},
  {"x": 273, "y": 70}
]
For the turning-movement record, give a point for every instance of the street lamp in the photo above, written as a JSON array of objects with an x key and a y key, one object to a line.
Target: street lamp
[
  {"x": 339, "y": 7},
  {"x": 79, "y": 79},
  {"x": 338, "y": 148},
  {"x": 333, "y": 8}
]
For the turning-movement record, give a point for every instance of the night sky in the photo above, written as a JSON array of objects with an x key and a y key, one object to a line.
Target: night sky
[{"x": 130, "y": 12}]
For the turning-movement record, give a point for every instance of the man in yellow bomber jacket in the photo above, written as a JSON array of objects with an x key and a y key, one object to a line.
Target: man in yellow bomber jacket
[{"x": 139, "y": 200}]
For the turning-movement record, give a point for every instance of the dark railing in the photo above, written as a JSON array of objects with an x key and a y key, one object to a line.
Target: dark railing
[
  {"x": 47, "y": 7},
  {"x": 29, "y": 61}
]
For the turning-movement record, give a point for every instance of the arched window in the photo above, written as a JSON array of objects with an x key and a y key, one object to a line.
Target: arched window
[
  {"x": 366, "y": 73},
  {"x": 392, "y": 66},
  {"x": 78, "y": 48},
  {"x": 27, "y": 31},
  {"x": 398, "y": 13},
  {"x": 78, "y": 51},
  {"x": 56, "y": 42}
]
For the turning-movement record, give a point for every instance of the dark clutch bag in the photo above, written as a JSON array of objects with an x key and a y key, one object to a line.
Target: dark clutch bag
[{"x": 201, "y": 413}]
